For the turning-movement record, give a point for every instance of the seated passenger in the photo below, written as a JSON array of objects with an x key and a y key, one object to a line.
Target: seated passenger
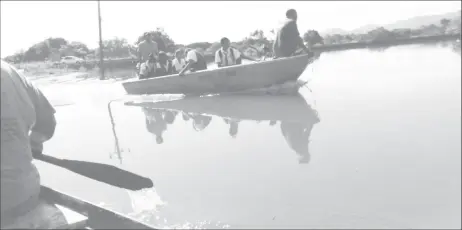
[
  {"x": 179, "y": 62},
  {"x": 148, "y": 68},
  {"x": 164, "y": 65},
  {"x": 195, "y": 62},
  {"x": 227, "y": 55}
]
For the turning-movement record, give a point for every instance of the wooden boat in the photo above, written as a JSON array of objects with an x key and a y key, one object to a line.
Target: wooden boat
[
  {"x": 290, "y": 108},
  {"x": 226, "y": 79},
  {"x": 81, "y": 214}
]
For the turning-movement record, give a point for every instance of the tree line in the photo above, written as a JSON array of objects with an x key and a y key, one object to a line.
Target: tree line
[{"x": 54, "y": 48}]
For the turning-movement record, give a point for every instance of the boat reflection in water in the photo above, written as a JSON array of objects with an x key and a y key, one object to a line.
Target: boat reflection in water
[{"x": 295, "y": 117}]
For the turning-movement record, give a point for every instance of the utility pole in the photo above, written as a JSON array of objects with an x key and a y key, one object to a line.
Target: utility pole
[{"x": 101, "y": 54}]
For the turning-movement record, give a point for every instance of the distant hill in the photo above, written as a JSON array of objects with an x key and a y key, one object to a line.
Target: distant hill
[
  {"x": 334, "y": 31},
  {"x": 364, "y": 29},
  {"x": 417, "y": 22},
  {"x": 411, "y": 23}
]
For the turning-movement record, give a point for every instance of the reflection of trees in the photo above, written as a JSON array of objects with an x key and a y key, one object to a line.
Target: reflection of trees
[
  {"x": 456, "y": 47},
  {"x": 378, "y": 49}
]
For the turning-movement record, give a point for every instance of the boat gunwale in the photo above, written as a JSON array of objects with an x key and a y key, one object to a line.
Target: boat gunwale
[
  {"x": 90, "y": 210},
  {"x": 223, "y": 68}
]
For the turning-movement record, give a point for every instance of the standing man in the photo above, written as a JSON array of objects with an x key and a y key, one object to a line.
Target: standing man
[
  {"x": 27, "y": 120},
  {"x": 288, "y": 37},
  {"x": 146, "y": 47},
  {"x": 195, "y": 62},
  {"x": 227, "y": 55}
]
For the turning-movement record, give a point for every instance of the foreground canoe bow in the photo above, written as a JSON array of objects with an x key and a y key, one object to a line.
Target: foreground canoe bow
[
  {"x": 227, "y": 79},
  {"x": 96, "y": 217}
]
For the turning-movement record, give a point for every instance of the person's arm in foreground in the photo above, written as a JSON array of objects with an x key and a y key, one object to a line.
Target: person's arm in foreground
[{"x": 45, "y": 123}]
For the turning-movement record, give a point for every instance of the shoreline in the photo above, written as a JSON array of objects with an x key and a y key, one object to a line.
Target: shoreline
[
  {"x": 127, "y": 63},
  {"x": 379, "y": 44},
  {"x": 376, "y": 44}
]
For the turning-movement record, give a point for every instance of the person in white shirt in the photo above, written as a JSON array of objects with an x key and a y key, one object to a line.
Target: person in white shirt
[
  {"x": 179, "y": 62},
  {"x": 148, "y": 68},
  {"x": 227, "y": 55},
  {"x": 195, "y": 62}
]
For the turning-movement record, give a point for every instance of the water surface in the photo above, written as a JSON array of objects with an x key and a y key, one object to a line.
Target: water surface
[{"x": 373, "y": 142}]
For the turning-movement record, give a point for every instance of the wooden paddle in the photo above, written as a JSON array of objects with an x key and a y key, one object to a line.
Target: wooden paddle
[{"x": 101, "y": 172}]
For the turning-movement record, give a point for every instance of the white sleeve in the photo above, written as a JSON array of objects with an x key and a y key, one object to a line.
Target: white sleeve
[
  {"x": 143, "y": 69},
  {"x": 191, "y": 56},
  {"x": 217, "y": 57},
  {"x": 237, "y": 54}
]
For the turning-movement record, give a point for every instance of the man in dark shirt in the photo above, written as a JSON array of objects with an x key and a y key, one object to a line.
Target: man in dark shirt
[{"x": 288, "y": 38}]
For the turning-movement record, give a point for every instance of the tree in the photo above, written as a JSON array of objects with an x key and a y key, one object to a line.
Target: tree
[
  {"x": 116, "y": 48},
  {"x": 56, "y": 43},
  {"x": 164, "y": 42},
  {"x": 402, "y": 33},
  {"x": 37, "y": 52},
  {"x": 202, "y": 45},
  {"x": 256, "y": 38},
  {"x": 313, "y": 37},
  {"x": 445, "y": 22},
  {"x": 213, "y": 48},
  {"x": 18, "y": 57},
  {"x": 381, "y": 35}
]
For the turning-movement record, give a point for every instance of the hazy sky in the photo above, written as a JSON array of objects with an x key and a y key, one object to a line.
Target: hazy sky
[{"x": 26, "y": 23}]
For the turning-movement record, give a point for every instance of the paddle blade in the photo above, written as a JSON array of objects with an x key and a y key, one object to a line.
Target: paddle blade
[{"x": 102, "y": 172}]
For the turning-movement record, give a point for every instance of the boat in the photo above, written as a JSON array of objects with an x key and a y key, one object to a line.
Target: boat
[
  {"x": 227, "y": 79},
  {"x": 81, "y": 214},
  {"x": 289, "y": 108}
]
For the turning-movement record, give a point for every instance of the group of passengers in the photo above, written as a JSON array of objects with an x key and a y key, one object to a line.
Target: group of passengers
[{"x": 155, "y": 63}]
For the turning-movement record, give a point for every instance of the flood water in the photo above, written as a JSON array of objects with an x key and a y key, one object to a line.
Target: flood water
[{"x": 372, "y": 142}]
